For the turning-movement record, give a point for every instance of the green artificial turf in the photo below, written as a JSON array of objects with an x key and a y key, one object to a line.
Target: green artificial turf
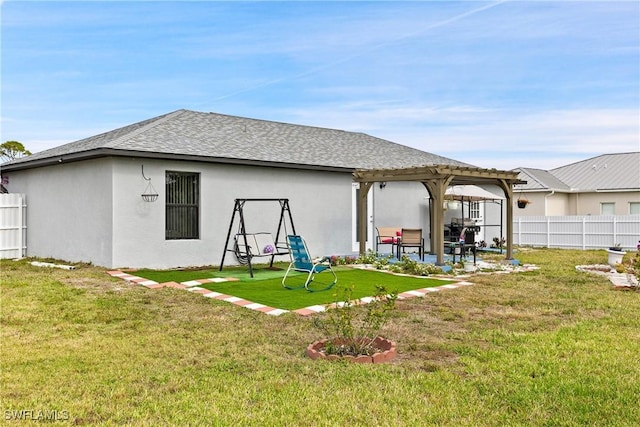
[
  {"x": 260, "y": 272},
  {"x": 270, "y": 292}
]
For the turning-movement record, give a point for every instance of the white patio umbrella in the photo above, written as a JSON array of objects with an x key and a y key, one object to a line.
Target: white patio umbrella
[{"x": 471, "y": 193}]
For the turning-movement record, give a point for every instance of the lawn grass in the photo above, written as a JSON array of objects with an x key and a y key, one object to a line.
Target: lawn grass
[
  {"x": 549, "y": 347},
  {"x": 270, "y": 292}
]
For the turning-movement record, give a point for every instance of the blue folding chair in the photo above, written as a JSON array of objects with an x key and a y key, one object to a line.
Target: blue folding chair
[{"x": 301, "y": 262}]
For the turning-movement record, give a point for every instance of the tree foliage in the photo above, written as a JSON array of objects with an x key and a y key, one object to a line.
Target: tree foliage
[{"x": 11, "y": 150}]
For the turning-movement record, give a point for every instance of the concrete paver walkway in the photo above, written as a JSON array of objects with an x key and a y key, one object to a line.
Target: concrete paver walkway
[{"x": 618, "y": 279}]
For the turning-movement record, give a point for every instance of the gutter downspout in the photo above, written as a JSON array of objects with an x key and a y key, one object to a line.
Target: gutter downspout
[{"x": 545, "y": 201}]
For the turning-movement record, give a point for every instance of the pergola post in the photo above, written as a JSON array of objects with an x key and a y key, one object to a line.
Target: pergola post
[
  {"x": 432, "y": 219},
  {"x": 507, "y": 187},
  {"x": 437, "y": 189},
  {"x": 362, "y": 216}
]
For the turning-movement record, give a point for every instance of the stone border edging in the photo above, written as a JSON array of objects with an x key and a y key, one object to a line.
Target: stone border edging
[
  {"x": 389, "y": 352},
  {"x": 193, "y": 286},
  {"x": 619, "y": 280}
]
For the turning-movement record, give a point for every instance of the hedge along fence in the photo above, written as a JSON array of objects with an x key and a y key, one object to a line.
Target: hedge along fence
[{"x": 577, "y": 232}]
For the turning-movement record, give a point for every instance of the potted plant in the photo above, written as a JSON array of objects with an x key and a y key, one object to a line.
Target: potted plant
[
  {"x": 352, "y": 333},
  {"x": 522, "y": 203},
  {"x": 615, "y": 254},
  {"x": 617, "y": 247},
  {"x": 469, "y": 267}
]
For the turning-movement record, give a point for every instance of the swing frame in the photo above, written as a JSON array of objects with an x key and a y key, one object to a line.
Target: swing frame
[{"x": 242, "y": 233}]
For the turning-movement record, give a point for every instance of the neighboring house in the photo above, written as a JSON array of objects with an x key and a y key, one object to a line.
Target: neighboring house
[
  {"x": 604, "y": 185},
  {"x": 84, "y": 198}
]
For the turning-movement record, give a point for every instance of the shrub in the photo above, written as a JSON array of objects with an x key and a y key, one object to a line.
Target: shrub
[
  {"x": 499, "y": 242},
  {"x": 408, "y": 266},
  {"x": 368, "y": 258},
  {"x": 352, "y": 330},
  {"x": 631, "y": 267},
  {"x": 337, "y": 260}
]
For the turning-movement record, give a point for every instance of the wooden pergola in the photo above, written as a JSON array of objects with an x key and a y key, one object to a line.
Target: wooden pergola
[{"x": 436, "y": 179}]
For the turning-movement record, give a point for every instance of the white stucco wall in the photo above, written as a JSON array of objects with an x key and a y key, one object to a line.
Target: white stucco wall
[
  {"x": 320, "y": 204},
  {"x": 401, "y": 204},
  {"x": 69, "y": 215},
  {"x": 92, "y": 211},
  {"x": 495, "y": 217}
]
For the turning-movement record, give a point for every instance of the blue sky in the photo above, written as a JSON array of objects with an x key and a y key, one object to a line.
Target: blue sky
[{"x": 496, "y": 84}]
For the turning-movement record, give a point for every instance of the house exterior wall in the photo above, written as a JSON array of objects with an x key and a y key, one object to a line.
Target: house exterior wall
[
  {"x": 494, "y": 225},
  {"x": 589, "y": 203},
  {"x": 92, "y": 210},
  {"x": 536, "y": 206},
  {"x": 320, "y": 204},
  {"x": 544, "y": 203},
  {"x": 70, "y": 214},
  {"x": 401, "y": 204},
  {"x": 557, "y": 204}
]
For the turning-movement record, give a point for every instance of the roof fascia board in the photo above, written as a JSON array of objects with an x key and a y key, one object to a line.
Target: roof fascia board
[
  {"x": 579, "y": 191},
  {"x": 111, "y": 152}
]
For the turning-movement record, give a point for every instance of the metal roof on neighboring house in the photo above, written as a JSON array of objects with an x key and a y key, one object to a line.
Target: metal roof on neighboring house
[
  {"x": 538, "y": 179},
  {"x": 619, "y": 171},
  {"x": 608, "y": 172},
  {"x": 217, "y": 137}
]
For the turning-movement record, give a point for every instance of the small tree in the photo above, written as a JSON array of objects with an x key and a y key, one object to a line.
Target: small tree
[
  {"x": 11, "y": 150},
  {"x": 353, "y": 331}
]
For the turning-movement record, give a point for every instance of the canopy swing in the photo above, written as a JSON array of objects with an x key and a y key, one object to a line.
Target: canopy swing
[{"x": 246, "y": 246}]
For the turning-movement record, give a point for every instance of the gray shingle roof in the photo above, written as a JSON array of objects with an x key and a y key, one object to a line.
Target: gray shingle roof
[
  {"x": 214, "y": 137},
  {"x": 538, "y": 179}
]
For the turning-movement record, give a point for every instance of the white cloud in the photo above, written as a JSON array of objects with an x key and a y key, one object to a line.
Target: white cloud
[{"x": 488, "y": 137}]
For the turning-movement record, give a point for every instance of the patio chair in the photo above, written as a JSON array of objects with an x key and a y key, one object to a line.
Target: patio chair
[
  {"x": 302, "y": 262},
  {"x": 387, "y": 236},
  {"x": 411, "y": 238}
]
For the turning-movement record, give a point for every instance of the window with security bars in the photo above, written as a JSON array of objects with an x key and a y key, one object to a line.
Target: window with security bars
[{"x": 182, "y": 205}]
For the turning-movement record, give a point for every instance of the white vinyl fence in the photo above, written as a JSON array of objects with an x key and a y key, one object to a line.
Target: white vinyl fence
[
  {"x": 13, "y": 226},
  {"x": 577, "y": 232}
]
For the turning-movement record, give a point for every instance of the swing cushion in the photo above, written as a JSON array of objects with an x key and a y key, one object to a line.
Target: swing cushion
[{"x": 259, "y": 244}]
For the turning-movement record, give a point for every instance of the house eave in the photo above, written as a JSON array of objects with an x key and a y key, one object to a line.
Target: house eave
[
  {"x": 110, "y": 152},
  {"x": 577, "y": 190}
]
